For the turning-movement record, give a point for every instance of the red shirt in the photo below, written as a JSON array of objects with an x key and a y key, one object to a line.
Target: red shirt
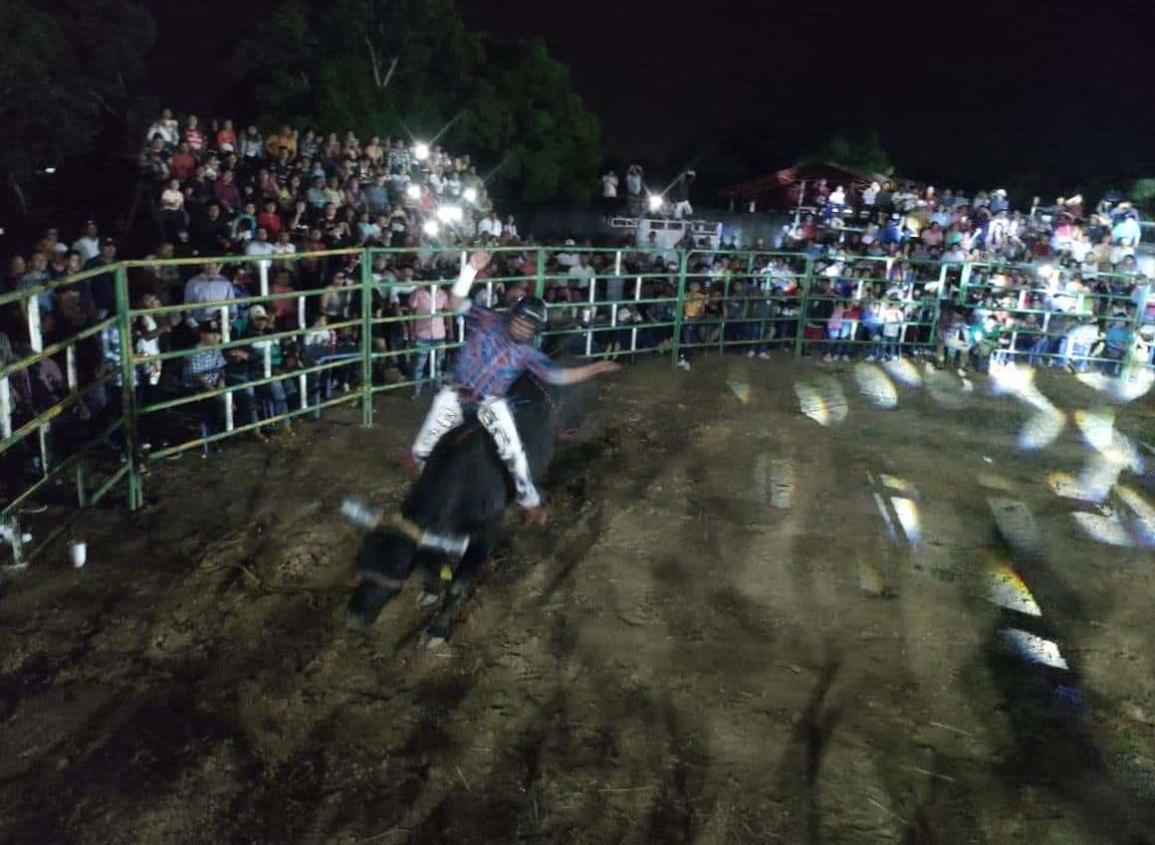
[
  {"x": 182, "y": 166},
  {"x": 271, "y": 223},
  {"x": 227, "y": 195},
  {"x": 284, "y": 310}
]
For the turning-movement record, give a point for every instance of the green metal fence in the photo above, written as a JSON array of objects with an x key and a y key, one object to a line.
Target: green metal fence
[{"x": 343, "y": 327}]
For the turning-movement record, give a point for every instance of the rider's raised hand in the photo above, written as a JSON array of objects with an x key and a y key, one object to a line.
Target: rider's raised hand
[{"x": 479, "y": 260}]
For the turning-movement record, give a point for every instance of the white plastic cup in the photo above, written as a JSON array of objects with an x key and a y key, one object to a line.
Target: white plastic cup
[{"x": 78, "y": 553}]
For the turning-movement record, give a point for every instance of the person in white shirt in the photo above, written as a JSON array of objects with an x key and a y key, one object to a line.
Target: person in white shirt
[
  {"x": 208, "y": 286},
  {"x": 148, "y": 340},
  {"x": 284, "y": 244},
  {"x": 870, "y": 195},
  {"x": 511, "y": 228},
  {"x": 893, "y": 317},
  {"x": 88, "y": 245},
  {"x": 166, "y": 127},
  {"x": 260, "y": 246},
  {"x": 567, "y": 258},
  {"x": 610, "y": 186},
  {"x": 837, "y": 197},
  {"x": 1127, "y": 233},
  {"x": 955, "y": 255},
  {"x": 490, "y": 226},
  {"x": 583, "y": 272}
]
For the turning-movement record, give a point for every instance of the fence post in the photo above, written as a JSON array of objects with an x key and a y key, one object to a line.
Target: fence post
[
  {"x": 267, "y": 351},
  {"x": 36, "y": 344},
  {"x": 302, "y": 379},
  {"x": 539, "y": 277},
  {"x": 591, "y": 310},
  {"x": 127, "y": 387},
  {"x": 226, "y": 337},
  {"x": 964, "y": 279},
  {"x": 676, "y": 346},
  {"x": 1136, "y": 332},
  {"x": 727, "y": 282},
  {"x": 366, "y": 339},
  {"x": 803, "y": 307}
]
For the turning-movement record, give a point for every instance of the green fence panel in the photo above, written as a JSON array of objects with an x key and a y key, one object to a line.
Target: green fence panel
[{"x": 638, "y": 306}]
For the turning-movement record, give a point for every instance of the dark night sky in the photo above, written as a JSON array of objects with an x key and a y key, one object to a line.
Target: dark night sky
[{"x": 955, "y": 90}]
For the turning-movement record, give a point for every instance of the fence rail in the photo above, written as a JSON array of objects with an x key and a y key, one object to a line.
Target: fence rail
[{"x": 343, "y": 328}]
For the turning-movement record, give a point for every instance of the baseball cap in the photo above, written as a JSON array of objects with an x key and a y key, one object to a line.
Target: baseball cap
[{"x": 258, "y": 312}]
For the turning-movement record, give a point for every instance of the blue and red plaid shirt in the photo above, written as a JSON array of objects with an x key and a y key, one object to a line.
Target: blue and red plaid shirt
[{"x": 491, "y": 360}]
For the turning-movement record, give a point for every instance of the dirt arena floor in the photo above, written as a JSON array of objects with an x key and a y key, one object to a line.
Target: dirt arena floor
[{"x": 745, "y": 624}]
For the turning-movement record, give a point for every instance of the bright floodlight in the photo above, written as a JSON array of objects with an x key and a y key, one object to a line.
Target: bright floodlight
[
  {"x": 469, "y": 194},
  {"x": 50, "y": 170},
  {"x": 655, "y": 202},
  {"x": 431, "y": 228},
  {"x": 421, "y": 151},
  {"x": 449, "y": 214},
  {"x": 413, "y": 192}
]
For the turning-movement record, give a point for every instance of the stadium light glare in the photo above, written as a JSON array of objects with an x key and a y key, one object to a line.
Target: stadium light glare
[
  {"x": 469, "y": 195},
  {"x": 449, "y": 214},
  {"x": 430, "y": 228},
  {"x": 655, "y": 202},
  {"x": 413, "y": 192},
  {"x": 421, "y": 151},
  {"x": 50, "y": 170}
]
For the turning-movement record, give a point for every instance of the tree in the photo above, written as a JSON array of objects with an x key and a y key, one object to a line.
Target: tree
[
  {"x": 527, "y": 112},
  {"x": 1143, "y": 194},
  {"x": 62, "y": 77},
  {"x": 862, "y": 152},
  {"x": 391, "y": 67},
  {"x": 370, "y": 65}
]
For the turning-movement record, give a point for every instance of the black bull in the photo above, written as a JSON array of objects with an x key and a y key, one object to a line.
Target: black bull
[{"x": 463, "y": 491}]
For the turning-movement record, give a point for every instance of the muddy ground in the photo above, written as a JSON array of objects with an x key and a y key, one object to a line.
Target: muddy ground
[{"x": 717, "y": 640}]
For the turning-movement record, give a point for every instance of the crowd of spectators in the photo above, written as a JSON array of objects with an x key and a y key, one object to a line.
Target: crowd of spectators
[
  {"x": 1051, "y": 285},
  {"x": 217, "y": 192},
  {"x": 644, "y": 200},
  {"x": 894, "y": 271}
]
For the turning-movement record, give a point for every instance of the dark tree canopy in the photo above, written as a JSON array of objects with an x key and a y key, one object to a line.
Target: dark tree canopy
[
  {"x": 526, "y": 110},
  {"x": 862, "y": 151},
  {"x": 64, "y": 74},
  {"x": 385, "y": 67}
]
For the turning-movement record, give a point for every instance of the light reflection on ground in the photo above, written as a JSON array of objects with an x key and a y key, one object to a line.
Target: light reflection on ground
[
  {"x": 1006, "y": 590},
  {"x": 876, "y": 386},
  {"x": 1079, "y": 486},
  {"x": 1034, "y": 649},
  {"x": 825, "y": 403},
  {"x": 1112, "y": 453}
]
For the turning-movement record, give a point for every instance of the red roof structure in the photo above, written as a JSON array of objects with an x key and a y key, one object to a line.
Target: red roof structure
[{"x": 783, "y": 188}]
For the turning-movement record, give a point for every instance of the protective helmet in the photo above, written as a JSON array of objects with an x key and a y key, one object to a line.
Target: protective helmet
[{"x": 532, "y": 310}]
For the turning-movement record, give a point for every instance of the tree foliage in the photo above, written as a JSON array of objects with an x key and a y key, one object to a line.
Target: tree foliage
[
  {"x": 386, "y": 67},
  {"x": 63, "y": 75},
  {"x": 862, "y": 152},
  {"x": 526, "y": 111},
  {"x": 1143, "y": 194}
]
